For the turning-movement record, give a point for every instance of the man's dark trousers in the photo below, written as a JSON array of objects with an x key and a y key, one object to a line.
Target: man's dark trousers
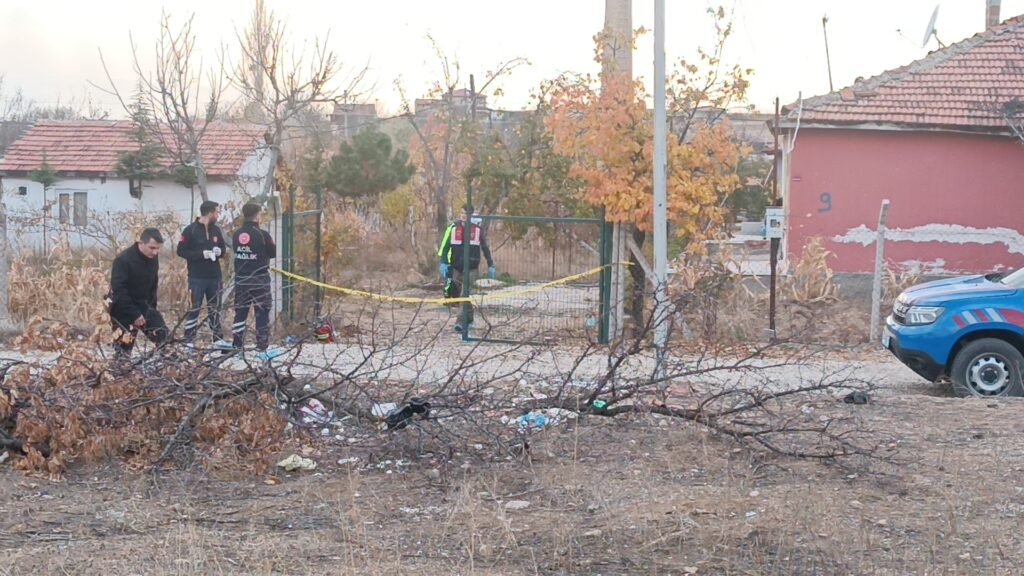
[
  {"x": 200, "y": 289},
  {"x": 453, "y": 289},
  {"x": 125, "y": 332},
  {"x": 254, "y": 292}
]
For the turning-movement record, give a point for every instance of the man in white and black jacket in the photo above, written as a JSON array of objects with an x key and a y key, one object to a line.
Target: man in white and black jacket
[{"x": 202, "y": 246}]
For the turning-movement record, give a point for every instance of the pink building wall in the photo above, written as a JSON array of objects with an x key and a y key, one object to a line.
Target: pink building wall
[{"x": 956, "y": 200}]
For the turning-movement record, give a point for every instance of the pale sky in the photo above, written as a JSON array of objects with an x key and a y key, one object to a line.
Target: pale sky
[{"x": 49, "y": 48}]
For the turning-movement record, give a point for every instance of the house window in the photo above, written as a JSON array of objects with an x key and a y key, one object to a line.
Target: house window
[
  {"x": 22, "y": 190},
  {"x": 81, "y": 209},
  {"x": 64, "y": 208},
  {"x": 135, "y": 188}
]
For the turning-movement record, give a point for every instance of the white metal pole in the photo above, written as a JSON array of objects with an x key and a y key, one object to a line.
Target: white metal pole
[{"x": 660, "y": 217}]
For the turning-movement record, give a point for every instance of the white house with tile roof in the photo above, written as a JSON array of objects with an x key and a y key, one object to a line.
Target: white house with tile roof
[{"x": 91, "y": 197}]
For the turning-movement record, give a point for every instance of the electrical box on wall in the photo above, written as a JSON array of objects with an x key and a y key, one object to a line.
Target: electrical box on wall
[{"x": 774, "y": 222}]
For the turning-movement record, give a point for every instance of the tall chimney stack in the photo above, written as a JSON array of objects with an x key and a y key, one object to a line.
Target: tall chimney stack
[
  {"x": 618, "y": 27},
  {"x": 992, "y": 13}
]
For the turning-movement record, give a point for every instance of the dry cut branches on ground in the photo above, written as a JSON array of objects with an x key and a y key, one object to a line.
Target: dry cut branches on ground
[{"x": 403, "y": 387}]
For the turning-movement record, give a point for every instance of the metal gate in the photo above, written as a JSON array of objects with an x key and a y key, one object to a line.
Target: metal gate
[
  {"x": 300, "y": 254},
  {"x": 553, "y": 279}
]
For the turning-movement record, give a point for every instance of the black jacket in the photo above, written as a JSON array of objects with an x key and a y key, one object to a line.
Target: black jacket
[
  {"x": 253, "y": 248},
  {"x": 133, "y": 285},
  {"x": 196, "y": 238}
]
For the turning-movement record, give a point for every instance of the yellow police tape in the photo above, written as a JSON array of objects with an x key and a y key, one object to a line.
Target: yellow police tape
[{"x": 444, "y": 301}]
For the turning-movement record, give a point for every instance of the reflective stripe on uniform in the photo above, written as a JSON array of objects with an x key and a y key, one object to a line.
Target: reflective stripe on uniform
[{"x": 444, "y": 242}]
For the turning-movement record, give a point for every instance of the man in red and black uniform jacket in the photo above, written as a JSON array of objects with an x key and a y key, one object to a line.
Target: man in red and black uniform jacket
[
  {"x": 253, "y": 249},
  {"x": 134, "y": 279},
  {"x": 452, "y": 251},
  {"x": 202, "y": 246}
]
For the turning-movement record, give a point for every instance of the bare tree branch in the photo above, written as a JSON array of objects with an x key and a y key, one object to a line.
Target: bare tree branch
[{"x": 280, "y": 83}]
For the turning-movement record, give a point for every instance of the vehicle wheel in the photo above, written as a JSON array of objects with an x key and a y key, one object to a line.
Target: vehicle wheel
[{"x": 988, "y": 368}]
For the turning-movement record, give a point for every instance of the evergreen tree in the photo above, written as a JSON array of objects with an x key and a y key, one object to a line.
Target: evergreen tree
[
  {"x": 143, "y": 163},
  {"x": 367, "y": 167}
]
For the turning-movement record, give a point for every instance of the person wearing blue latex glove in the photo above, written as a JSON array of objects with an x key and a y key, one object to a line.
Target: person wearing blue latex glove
[
  {"x": 452, "y": 254},
  {"x": 491, "y": 272},
  {"x": 442, "y": 269}
]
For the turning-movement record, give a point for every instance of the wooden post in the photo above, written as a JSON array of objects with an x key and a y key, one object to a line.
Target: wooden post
[
  {"x": 638, "y": 255},
  {"x": 876, "y": 285}
]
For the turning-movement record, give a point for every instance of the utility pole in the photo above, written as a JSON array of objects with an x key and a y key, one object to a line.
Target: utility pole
[
  {"x": 617, "y": 60},
  {"x": 828, "y": 59},
  {"x": 660, "y": 201}
]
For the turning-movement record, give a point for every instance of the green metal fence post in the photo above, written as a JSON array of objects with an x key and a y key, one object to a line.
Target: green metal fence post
[
  {"x": 289, "y": 246},
  {"x": 317, "y": 305},
  {"x": 467, "y": 227},
  {"x": 467, "y": 234}
]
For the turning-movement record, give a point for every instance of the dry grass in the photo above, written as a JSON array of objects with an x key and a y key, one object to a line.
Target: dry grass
[
  {"x": 721, "y": 306},
  {"x": 647, "y": 496},
  {"x": 67, "y": 283},
  {"x": 810, "y": 281},
  {"x": 67, "y": 286},
  {"x": 63, "y": 289}
]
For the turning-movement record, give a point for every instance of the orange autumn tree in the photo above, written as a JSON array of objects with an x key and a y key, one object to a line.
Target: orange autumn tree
[{"x": 604, "y": 126}]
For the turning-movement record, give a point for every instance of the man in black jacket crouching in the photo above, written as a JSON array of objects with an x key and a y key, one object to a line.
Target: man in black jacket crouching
[{"x": 134, "y": 278}]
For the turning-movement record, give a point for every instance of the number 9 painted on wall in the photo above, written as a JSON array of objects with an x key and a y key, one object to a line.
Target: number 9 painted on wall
[{"x": 826, "y": 202}]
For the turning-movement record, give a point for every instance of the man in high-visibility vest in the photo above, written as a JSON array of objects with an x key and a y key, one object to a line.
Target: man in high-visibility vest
[{"x": 452, "y": 251}]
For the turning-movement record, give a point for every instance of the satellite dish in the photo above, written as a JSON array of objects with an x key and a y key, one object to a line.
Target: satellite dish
[{"x": 930, "y": 30}]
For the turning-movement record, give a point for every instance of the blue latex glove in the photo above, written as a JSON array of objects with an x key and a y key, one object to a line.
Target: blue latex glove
[
  {"x": 442, "y": 269},
  {"x": 491, "y": 272}
]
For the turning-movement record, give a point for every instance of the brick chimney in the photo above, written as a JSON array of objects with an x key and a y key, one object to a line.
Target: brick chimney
[{"x": 991, "y": 13}]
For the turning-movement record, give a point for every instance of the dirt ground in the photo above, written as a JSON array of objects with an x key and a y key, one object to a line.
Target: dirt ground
[{"x": 638, "y": 495}]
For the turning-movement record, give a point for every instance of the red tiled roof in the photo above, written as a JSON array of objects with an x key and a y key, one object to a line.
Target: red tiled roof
[
  {"x": 961, "y": 86},
  {"x": 93, "y": 146}
]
